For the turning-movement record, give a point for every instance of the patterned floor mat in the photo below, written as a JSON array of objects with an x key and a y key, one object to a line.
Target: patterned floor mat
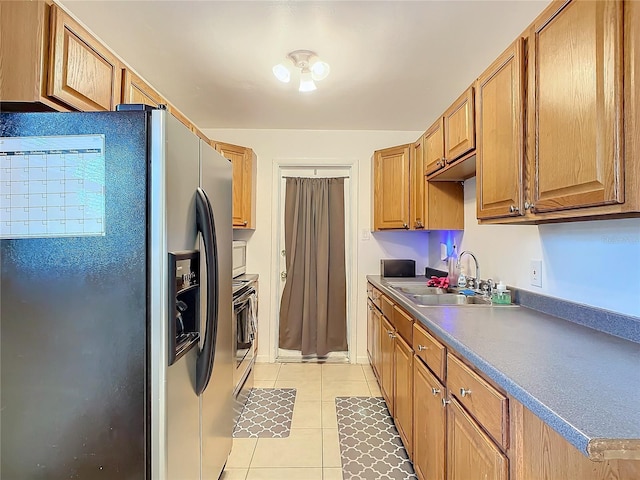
[
  {"x": 370, "y": 446},
  {"x": 267, "y": 414}
]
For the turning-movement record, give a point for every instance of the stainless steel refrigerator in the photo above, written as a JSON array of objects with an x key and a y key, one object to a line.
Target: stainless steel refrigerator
[{"x": 115, "y": 298}]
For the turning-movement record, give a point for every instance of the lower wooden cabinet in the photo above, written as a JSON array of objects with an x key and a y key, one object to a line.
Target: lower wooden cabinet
[
  {"x": 373, "y": 336},
  {"x": 387, "y": 342},
  {"x": 471, "y": 455},
  {"x": 429, "y": 424},
  {"x": 403, "y": 394}
]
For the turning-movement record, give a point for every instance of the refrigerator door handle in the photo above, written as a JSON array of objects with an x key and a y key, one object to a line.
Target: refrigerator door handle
[{"x": 206, "y": 226}]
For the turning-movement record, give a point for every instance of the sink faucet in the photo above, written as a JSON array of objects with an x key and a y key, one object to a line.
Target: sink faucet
[{"x": 477, "y": 279}]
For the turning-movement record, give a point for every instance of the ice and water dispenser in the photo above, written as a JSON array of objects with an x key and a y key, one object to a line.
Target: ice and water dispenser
[{"x": 184, "y": 303}]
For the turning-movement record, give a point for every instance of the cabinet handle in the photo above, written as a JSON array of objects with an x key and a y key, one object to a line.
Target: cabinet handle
[
  {"x": 391, "y": 335},
  {"x": 464, "y": 392},
  {"x": 529, "y": 206},
  {"x": 245, "y": 223},
  {"x": 421, "y": 348},
  {"x": 445, "y": 402},
  {"x": 405, "y": 226},
  {"x": 513, "y": 209},
  {"x": 435, "y": 391}
]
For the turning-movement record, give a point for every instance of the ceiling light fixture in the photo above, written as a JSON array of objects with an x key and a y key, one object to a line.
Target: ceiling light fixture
[{"x": 311, "y": 68}]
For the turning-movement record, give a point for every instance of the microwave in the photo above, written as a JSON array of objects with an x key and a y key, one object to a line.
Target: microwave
[{"x": 239, "y": 258}]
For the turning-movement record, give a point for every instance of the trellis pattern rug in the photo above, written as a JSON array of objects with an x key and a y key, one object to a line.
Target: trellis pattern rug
[
  {"x": 370, "y": 446},
  {"x": 267, "y": 414}
]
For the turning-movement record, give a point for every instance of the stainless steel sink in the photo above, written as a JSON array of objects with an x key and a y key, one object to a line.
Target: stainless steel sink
[
  {"x": 419, "y": 289},
  {"x": 448, "y": 299}
]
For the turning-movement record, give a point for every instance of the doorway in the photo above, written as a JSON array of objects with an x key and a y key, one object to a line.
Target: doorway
[{"x": 326, "y": 170}]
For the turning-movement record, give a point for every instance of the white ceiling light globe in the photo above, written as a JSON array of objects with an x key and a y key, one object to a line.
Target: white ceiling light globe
[
  {"x": 306, "y": 81},
  {"x": 282, "y": 73},
  {"x": 320, "y": 70}
]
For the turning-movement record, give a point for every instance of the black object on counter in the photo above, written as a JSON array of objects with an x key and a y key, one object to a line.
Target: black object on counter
[{"x": 397, "y": 268}]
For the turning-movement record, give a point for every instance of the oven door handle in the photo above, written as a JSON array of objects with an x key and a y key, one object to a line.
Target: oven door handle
[{"x": 206, "y": 226}]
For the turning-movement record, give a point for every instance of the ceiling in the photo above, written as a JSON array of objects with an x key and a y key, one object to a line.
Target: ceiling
[{"x": 395, "y": 65}]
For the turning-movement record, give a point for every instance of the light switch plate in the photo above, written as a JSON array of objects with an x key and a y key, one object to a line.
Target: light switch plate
[{"x": 535, "y": 273}]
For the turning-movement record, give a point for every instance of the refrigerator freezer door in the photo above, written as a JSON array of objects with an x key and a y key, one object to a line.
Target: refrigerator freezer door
[
  {"x": 217, "y": 398},
  {"x": 73, "y": 319},
  {"x": 174, "y": 180}
]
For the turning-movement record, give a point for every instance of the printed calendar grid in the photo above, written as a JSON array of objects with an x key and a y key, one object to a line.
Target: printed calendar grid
[{"x": 52, "y": 186}]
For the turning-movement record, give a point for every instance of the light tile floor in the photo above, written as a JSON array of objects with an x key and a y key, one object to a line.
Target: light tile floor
[{"x": 312, "y": 451}]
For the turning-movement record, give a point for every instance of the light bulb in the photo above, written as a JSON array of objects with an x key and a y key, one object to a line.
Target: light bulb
[
  {"x": 282, "y": 73},
  {"x": 306, "y": 82},
  {"x": 320, "y": 70}
]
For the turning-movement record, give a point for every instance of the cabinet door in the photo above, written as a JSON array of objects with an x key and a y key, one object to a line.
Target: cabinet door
[
  {"x": 500, "y": 124},
  {"x": 429, "y": 424},
  {"x": 136, "y": 90},
  {"x": 387, "y": 340},
  {"x": 373, "y": 336},
  {"x": 403, "y": 400},
  {"x": 434, "y": 147},
  {"x": 459, "y": 127},
  {"x": 471, "y": 455},
  {"x": 238, "y": 157},
  {"x": 82, "y": 72},
  {"x": 391, "y": 188},
  {"x": 416, "y": 169},
  {"x": 575, "y": 106}
]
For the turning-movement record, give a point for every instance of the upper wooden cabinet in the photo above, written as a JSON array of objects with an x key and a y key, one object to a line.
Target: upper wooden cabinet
[
  {"x": 136, "y": 90},
  {"x": 459, "y": 127},
  {"x": 391, "y": 188},
  {"x": 244, "y": 163},
  {"x": 416, "y": 171},
  {"x": 500, "y": 135},
  {"x": 582, "y": 119},
  {"x": 82, "y": 72},
  {"x": 575, "y": 109},
  {"x": 434, "y": 158},
  {"x": 403, "y": 199}
]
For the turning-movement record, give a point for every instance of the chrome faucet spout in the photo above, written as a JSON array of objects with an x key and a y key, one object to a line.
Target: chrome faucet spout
[{"x": 468, "y": 252}]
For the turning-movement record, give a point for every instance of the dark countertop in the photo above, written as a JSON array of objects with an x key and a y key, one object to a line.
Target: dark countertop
[{"x": 582, "y": 382}]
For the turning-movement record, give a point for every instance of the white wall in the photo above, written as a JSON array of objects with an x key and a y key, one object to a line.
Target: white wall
[
  {"x": 316, "y": 147},
  {"x": 595, "y": 263}
]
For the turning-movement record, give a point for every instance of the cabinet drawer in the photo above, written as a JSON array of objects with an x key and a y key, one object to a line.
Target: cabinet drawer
[
  {"x": 482, "y": 401},
  {"x": 386, "y": 305},
  {"x": 375, "y": 297},
  {"x": 403, "y": 323},
  {"x": 430, "y": 350}
]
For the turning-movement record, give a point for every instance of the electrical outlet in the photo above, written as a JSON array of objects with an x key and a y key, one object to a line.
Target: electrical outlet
[
  {"x": 365, "y": 234},
  {"x": 535, "y": 273}
]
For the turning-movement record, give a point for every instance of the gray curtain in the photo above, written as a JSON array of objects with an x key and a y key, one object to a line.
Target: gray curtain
[{"x": 313, "y": 308}]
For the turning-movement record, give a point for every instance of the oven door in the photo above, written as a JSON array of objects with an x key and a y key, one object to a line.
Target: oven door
[{"x": 244, "y": 307}]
